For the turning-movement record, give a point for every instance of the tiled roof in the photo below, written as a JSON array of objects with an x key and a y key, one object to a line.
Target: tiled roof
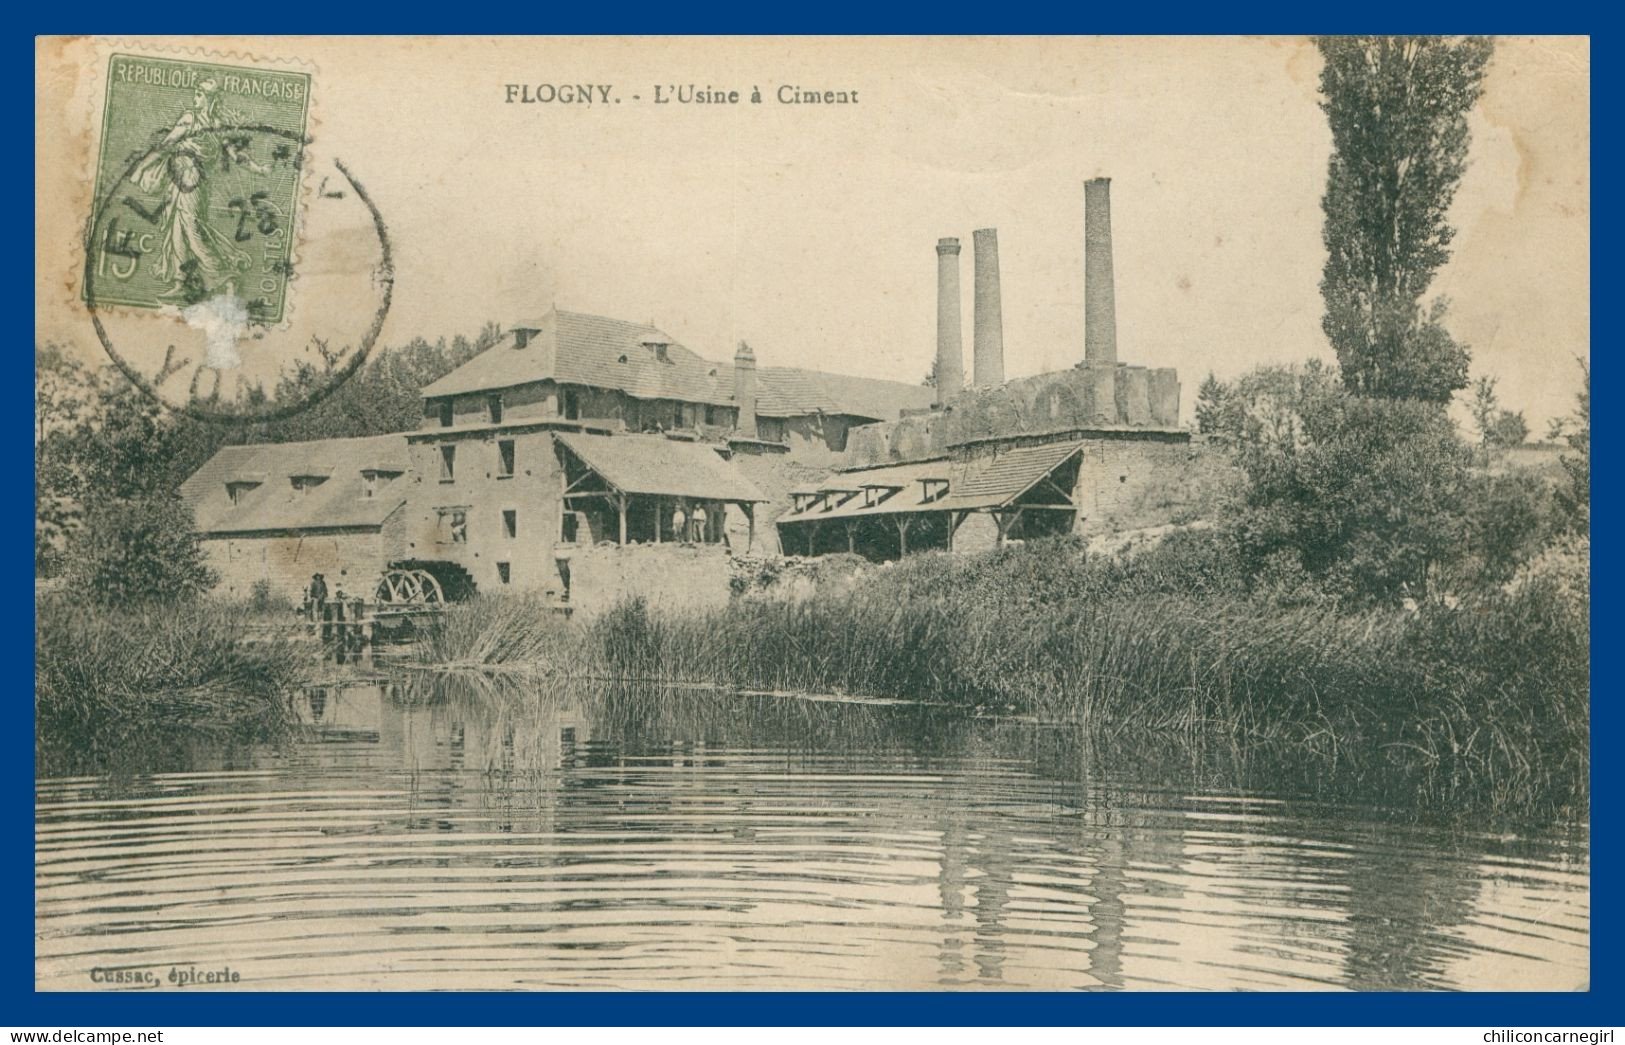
[
  {"x": 574, "y": 348},
  {"x": 898, "y": 487},
  {"x": 983, "y": 481},
  {"x": 651, "y": 464},
  {"x": 999, "y": 478},
  {"x": 275, "y": 505},
  {"x": 783, "y": 391}
]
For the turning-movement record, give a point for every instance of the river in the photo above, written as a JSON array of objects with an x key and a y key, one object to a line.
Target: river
[{"x": 454, "y": 835}]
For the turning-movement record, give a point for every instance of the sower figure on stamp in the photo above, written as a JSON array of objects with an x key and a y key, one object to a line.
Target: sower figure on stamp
[{"x": 193, "y": 255}]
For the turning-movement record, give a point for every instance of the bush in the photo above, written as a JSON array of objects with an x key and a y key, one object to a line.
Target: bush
[
  {"x": 1368, "y": 500},
  {"x": 261, "y": 599},
  {"x": 138, "y": 551},
  {"x": 752, "y": 574},
  {"x": 1508, "y": 520}
]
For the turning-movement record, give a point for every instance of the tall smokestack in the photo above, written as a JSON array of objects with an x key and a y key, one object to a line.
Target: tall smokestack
[
  {"x": 987, "y": 329},
  {"x": 745, "y": 390},
  {"x": 1099, "y": 298},
  {"x": 950, "y": 346}
]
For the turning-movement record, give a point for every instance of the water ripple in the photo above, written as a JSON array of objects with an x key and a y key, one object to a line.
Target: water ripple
[{"x": 452, "y": 846}]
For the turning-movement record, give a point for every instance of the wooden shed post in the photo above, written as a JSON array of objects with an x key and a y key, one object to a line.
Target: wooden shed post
[
  {"x": 750, "y": 528},
  {"x": 620, "y": 504},
  {"x": 851, "y": 536},
  {"x": 903, "y": 522}
]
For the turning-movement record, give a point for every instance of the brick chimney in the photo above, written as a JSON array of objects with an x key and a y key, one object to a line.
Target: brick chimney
[
  {"x": 745, "y": 390},
  {"x": 950, "y": 345},
  {"x": 1099, "y": 298},
  {"x": 987, "y": 326}
]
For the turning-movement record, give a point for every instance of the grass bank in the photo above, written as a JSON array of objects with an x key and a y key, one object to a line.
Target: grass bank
[
  {"x": 1491, "y": 694},
  {"x": 109, "y": 680}
]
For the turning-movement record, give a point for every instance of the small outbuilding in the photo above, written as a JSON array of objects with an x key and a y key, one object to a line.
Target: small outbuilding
[
  {"x": 279, "y": 512},
  {"x": 888, "y": 511}
]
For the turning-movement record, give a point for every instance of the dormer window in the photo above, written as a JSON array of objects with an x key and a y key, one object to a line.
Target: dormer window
[
  {"x": 873, "y": 495},
  {"x": 659, "y": 346},
  {"x": 521, "y": 338},
  {"x": 493, "y": 406},
  {"x": 446, "y": 415},
  {"x": 237, "y": 490},
  {"x": 934, "y": 489},
  {"x": 373, "y": 480},
  {"x": 303, "y": 484}
]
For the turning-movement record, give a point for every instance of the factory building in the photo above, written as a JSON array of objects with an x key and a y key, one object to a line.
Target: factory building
[
  {"x": 1036, "y": 456},
  {"x": 586, "y": 458}
]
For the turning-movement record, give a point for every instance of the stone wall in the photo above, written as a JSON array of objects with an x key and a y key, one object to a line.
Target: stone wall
[
  {"x": 1115, "y": 474},
  {"x": 1113, "y": 397},
  {"x": 351, "y": 559},
  {"x": 478, "y": 487},
  {"x": 672, "y": 577}
]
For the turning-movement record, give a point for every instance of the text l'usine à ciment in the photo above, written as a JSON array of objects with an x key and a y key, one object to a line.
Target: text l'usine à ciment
[{"x": 588, "y": 94}]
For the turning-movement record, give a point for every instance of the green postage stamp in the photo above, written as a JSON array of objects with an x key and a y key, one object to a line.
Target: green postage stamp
[{"x": 197, "y": 181}]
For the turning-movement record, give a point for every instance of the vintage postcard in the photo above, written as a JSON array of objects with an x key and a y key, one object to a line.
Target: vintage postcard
[{"x": 754, "y": 514}]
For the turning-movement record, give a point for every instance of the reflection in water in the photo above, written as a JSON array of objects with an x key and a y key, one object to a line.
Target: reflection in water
[{"x": 462, "y": 834}]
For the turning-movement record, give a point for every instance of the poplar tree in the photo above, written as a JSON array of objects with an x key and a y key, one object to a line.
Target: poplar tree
[{"x": 1398, "y": 109}]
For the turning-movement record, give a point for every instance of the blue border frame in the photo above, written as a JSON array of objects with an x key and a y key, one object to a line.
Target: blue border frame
[{"x": 23, "y": 1007}]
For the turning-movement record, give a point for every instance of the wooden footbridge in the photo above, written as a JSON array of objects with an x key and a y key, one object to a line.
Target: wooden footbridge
[{"x": 348, "y": 627}]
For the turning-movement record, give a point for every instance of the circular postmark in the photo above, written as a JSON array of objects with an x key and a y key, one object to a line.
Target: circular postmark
[{"x": 191, "y": 253}]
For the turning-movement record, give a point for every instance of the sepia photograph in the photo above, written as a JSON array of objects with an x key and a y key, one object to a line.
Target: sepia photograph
[{"x": 812, "y": 514}]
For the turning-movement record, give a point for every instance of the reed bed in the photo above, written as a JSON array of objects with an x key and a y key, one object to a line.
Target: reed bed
[
  {"x": 1491, "y": 694},
  {"x": 103, "y": 675}
]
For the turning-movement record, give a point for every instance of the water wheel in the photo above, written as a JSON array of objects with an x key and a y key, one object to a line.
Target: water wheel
[{"x": 408, "y": 588}]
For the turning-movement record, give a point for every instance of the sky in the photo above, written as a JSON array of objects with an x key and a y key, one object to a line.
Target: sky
[{"x": 809, "y": 230}]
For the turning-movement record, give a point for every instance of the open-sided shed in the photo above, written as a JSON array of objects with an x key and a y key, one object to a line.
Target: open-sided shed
[
  {"x": 887, "y": 511},
  {"x": 655, "y": 489}
]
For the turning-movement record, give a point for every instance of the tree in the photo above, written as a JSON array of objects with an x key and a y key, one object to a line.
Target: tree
[
  {"x": 1264, "y": 407},
  {"x": 1574, "y": 501},
  {"x": 1498, "y": 429},
  {"x": 1509, "y": 429},
  {"x": 137, "y": 551},
  {"x": 1365, "y": 501},
  {"x": 1214, "y": 400},
  {"x": 1485, "y": 405},
  {"x": 1397, "y": 107},
  {"x": 61, "y": 390},
  {"x": 930, "y": 379}
]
